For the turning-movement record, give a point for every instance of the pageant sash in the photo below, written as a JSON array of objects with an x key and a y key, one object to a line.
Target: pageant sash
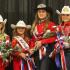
[
  {"x": 63, "y": 61},
  {"x": 22, "y": 42},
  {"x": 57, "y": 60},
  {"x": 25, "y": 46}
]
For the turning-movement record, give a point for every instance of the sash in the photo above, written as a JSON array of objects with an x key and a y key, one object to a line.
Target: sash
[
  {"x": 63, "y": 61},
  {"x": 22, "y": 65},
  {"x": 58, "y": 48},
  {"x": 42, "y": 52},
  {"x": 56, "y": 55},
  {"x": 31, "y": 64},
  {"x": 25, "y": 46},
  {"x": 22, "y": 42}
]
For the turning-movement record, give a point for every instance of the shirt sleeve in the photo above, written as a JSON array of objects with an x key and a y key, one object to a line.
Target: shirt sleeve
[
  {"x": 51, "y": 26},
  {"x": 14, "y": 42},
  {"x": 51, "y": 39},
  {"x": 48, "y": 40}
]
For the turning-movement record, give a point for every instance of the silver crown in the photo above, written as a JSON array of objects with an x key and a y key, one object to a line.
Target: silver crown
[{"x": 41, "y": 6}]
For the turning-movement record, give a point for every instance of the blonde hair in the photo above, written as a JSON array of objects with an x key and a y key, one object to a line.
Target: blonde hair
[{"x": 3, "y": 27}]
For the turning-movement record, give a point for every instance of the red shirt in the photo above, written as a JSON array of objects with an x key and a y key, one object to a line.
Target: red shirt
[
  {"x": 15, "y": 43},
  {"x": 65, "y": 27},
  {"x": 40, "y": 31}
]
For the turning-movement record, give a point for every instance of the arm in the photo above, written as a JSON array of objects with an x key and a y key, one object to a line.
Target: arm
[
  {"x": 51, "y": 38},
  {"x": 19, "y": 52},
  {"x": 48, "y": 40},
  {"x": 14, "y": 42}
]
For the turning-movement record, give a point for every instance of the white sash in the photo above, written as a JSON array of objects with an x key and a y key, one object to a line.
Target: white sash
[
  {"x": 41, "y": 55},
  {"x": 21, "y": 41}
]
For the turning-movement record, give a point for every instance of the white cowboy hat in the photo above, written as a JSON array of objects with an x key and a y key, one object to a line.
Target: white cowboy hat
[
  {"x": 3, "y": 21},
  {"x": 20, "y": 23},
  {"x": 65, "y": 10}
]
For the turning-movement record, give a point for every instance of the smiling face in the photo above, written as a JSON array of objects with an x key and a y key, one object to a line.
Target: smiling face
[
  {"x": 20, "y": 30},
  {"x": 42, "y": 13},
  {"x": 65, "y": 17}
]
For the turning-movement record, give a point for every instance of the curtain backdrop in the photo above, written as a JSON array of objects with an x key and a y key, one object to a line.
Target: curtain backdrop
[{"x": 15, "y": 10}]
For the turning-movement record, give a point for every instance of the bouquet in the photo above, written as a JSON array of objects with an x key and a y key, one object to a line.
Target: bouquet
[
  {"x": 5, "y": 51},
  {"x": 48, "y": 34}
]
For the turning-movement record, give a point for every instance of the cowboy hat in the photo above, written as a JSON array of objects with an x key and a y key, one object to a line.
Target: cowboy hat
[
  {"x": 40, "y": 6},
  {"x": 44, "y": 7},
  {"x": 2, "y": 21},
  {"x": 20, "y": 23},
  {"x": 65, "y": 10}
]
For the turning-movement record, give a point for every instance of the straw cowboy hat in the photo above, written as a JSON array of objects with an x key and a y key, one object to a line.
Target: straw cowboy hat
[
  {"x": 20, "y": 23},
  {"x": 65, "y": 10},
  {"x": 2, "y": 21}
]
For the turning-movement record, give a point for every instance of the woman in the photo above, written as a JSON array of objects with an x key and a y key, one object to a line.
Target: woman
[
  {"x": 21, "y": 58},
  {"x": 43, "y": 36},
  {"x": 4, "y": 42},
  {"x": 64, "y": 29}
]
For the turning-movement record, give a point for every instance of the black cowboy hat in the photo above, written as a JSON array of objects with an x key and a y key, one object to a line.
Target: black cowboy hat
[{"x": 44, "y": 7}]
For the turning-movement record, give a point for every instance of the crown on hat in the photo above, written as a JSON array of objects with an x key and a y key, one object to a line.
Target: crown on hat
[{"x": 41, "y": 6}]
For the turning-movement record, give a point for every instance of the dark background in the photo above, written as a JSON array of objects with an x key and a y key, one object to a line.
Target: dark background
[{"x": 15, "y": 10}]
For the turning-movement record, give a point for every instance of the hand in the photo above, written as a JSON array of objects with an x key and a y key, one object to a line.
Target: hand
[
  {"x": 23, "y": 55},
  {"x": 6, "y": 63},
  {"x": 38, "y": 44},
  {"x": 31, "y": 51},
  {"x": 66, "y": 45},
  {"x": 0, "y": 55},
  {"x": 31, "y": 32}
]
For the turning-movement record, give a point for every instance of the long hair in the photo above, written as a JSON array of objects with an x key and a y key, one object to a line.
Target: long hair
[
  {"x": 36, "y": 21},
  {"x": 3, "y": 27},
  {"x": 15, "y": 33},
  {"x": 26, "y": 34}
]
